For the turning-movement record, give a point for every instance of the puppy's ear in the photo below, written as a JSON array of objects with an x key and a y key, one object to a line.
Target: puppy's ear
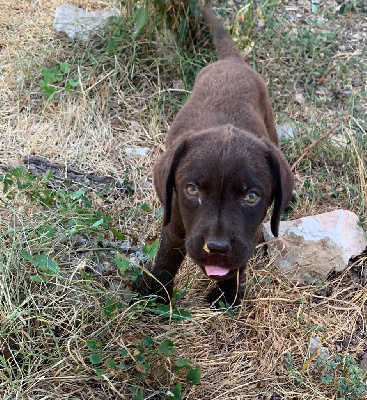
[
  {"x": 284, "y": 182},
  {"x": 164, "y": 176}
]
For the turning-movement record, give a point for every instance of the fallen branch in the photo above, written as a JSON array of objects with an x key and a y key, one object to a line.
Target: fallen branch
[
  {"x": 315, "y": 142},
  {"x": 38, "y": 166}
]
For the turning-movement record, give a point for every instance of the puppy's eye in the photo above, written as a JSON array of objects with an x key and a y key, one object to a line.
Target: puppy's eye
[
  {"x": 251, "y": 197},
  {"x": 192, "y": 190}
]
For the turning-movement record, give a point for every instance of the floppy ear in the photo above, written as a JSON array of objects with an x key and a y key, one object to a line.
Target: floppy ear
[
  {"x": 164, "y": 176},
  {"x": 284, "y": 182}
]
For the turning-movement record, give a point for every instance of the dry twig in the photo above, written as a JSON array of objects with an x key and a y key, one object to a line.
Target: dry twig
[
  {"x": 315, "y": 142},
  {"x": 321, "y": 80}
]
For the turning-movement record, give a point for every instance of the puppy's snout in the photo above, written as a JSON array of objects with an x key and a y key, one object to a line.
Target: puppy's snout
[{"x": 217, "y": 246}]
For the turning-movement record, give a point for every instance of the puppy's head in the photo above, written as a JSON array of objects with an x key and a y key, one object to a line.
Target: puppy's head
[{"x": 221, "y": 182}]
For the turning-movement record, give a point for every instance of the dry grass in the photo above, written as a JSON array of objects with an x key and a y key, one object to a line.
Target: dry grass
[{"x": 129, "y": 100}]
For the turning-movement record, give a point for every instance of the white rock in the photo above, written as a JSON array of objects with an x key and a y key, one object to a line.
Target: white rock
[
  {"x": 298, "y": 98},
  {"x": 137, "y": 151},
  {"x": 285, "y": 131},
  {"x": 309, "y": 248},
  {"x": 315, "y": 344},
  {"x": 78, "y": 23},
  {"x": 136, "y": 127}
]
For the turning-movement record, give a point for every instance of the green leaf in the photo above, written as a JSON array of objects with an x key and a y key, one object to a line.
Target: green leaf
[
  {"x": 137, "y": 273},
  {"x": 327, "y": 378},
  {"x": 148, "y": 341},
  {"x": 151, "y": 250},
  {"x": 112, "y": 45},
  {"x": 111, "y": 363},
  {"x": 178, "y": 294},
  {"x": 314, "y": 8},
  {"x": 140, "y": 20},
  {"x": 95, "y": 358},
  {"x": 86, "y": 276},
  {"x": 118, "y": 235},
  {"x": 46, "y": 263},
  {"x": 123, "y": 352},
  {"x": 77, "y": 194},
  {"x": 159, "y": 213},
  {"x": 65, "y": 67},
  {"x": 99, "y": 372},
  {"x": 39, "y": 278},
  {"x": 47, "y": 231},
  {"x": 122, "y": 264},
  {"x": 47, "y": 175},
  {"x": 47, "y": 75},
  {"x": 73, "y": 83},
  {"x": 93, "y": 344},
  {"x": 98, "y": 223},
  {"x": 183, "y": 363},
  {"x": 144, "y": 207},
  {"x": 177, "y": 314},
  {"x": 177, "y": 391},
  {"x": 139, "y": 395},
  {"x": 41, "y": 261},
  {"x": 194, "y": 8},
  {"x": 7, "y": 182},
  {"x": 56, "y": 74},
  {"x": 110, "y": 307},
  {"x": 47, "y": 89},
  {"x": 194, "y": 375},
  {"x": 167, "y": 348},
  {"x": 26, "y": 255},
  {"x": 140, "y": 358}
]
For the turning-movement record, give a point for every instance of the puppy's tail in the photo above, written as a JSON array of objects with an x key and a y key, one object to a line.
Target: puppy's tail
[{"x": 221, "y": 38}]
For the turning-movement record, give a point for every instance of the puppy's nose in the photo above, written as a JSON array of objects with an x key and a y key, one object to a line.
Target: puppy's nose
[{"x": 217, "y": 246}]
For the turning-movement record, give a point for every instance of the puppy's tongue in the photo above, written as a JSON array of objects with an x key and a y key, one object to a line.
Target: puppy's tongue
[{"x": 217, "y": 271}]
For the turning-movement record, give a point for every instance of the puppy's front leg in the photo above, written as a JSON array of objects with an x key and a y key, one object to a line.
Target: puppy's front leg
[
  {"x": 229, "y": 292},
  {"x": 169, "y": 257}
]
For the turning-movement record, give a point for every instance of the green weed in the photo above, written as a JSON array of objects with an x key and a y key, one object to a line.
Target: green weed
[
  {"x": 339, "y": 374},
  {"x": 143, "y": 360},
  {"x": 72, "y": 214},
  {"x": 343, "y": 375},
  {"x": 56, "y": 79}
]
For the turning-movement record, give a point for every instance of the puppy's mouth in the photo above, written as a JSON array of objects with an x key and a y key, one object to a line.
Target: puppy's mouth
[{"x": 214, "y": 270}]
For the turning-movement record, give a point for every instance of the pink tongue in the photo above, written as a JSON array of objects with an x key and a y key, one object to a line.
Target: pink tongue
[{"x": 214, "y": 270}]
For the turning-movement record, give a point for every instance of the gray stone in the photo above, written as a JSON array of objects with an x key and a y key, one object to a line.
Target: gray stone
[
  {"x": 285, "y": 131},
  {"x": 80, "y": 24},
  {"x": 363, "y": 362},
  {"x": 137, "y": 151},
  {"x": 315, "y": 344},
  {"x": 298, "y": 98},
  {"x": 310, "y": 248},
  {"x": 357, "y": 81}
]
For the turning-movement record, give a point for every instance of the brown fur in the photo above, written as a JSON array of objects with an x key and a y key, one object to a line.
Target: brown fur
[{"x": 224, "y": 142}]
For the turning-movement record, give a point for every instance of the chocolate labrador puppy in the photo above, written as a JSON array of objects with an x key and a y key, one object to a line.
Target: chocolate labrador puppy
[{"x": 221, "y": 171}]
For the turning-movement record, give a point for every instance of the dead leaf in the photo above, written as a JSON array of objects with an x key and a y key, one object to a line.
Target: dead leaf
[{"x": 278, "y": 344}]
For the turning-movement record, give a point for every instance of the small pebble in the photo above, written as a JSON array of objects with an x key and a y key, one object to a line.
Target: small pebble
[{"x": 137, "y": 151}]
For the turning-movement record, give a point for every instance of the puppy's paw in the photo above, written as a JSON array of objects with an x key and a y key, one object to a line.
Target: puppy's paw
[
  {"x": 146, "y": 290},
  {"x": 217, "y": 298},
  {"x": 162, "y": 296}
]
